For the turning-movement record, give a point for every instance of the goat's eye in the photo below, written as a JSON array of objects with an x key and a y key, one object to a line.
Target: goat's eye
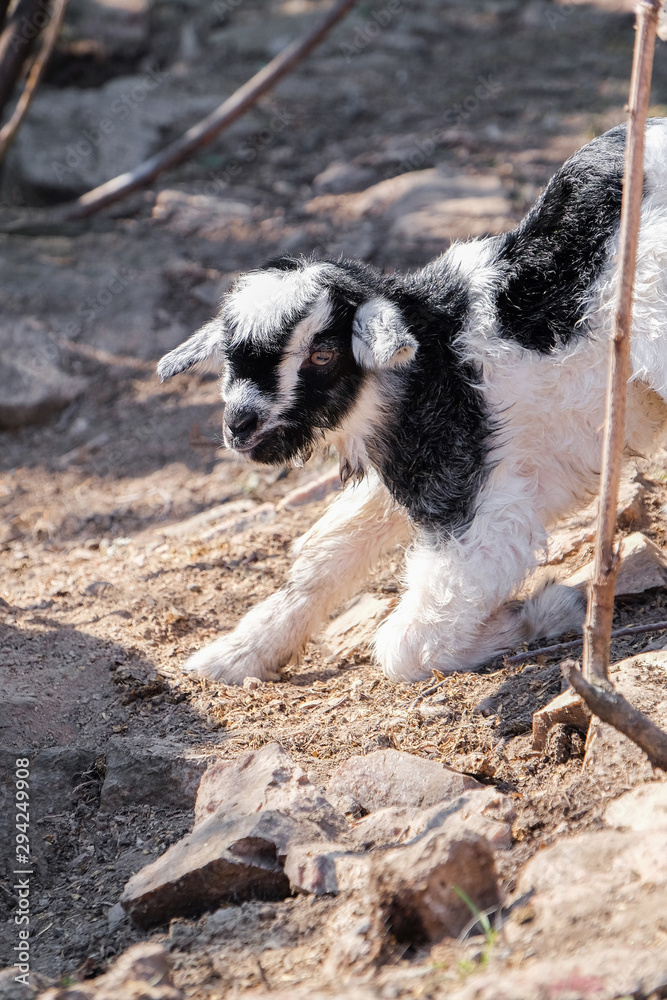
[{"x": 321, "y": 357}]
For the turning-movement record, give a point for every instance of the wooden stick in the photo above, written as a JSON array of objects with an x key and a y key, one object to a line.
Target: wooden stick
[
  {"x": 564, "y": 647},
  {"x": 211, "y": 126},
  {"x": 597, "y": 627},
  {"x": 9, "y": 130},
  {"x": 16, "y": 41},
  {"x": 611, "y": 707}
]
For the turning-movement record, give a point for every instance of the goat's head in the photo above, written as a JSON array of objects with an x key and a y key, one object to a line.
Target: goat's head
[{"x": 296, "y": 342}]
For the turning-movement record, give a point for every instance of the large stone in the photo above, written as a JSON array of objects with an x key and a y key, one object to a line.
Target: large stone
[
  {"x": 74, "y": 139},
  {"x": 33, "y": 385},
  {"x": 611, "y": 756},
  {"x": 643, "y": 808},
  {"x": 417, "y": 884},
  {"x": 643, "y": 566},
  {"x": 206, "y": 215},
  {"x": 160, "y": 773},
  {"x": 590, "y": 909},
  {"x": 483, "y": 809},
  {"x": 393, "y": 778},
  {"x": 192, "y": 527},
  {"x": 330, "y": 868},
  {"x": 141, "y": 973},
  {"x": 249, "y": 813},
  {"x": 265, "y": 779},
  {"x": 312, "y": 491},
  {"x": 218, "y": 862}
]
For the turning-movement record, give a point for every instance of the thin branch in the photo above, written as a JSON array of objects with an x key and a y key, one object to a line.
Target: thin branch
[
  {"x": 597, "y": 628},
  {"x": 565, "y": 647},
  {"x": 9, "y": 130},
  {"x": 611, "y": 707},
  {"x": 16, "y": 41},
  {"x": 211, "y": 126}
]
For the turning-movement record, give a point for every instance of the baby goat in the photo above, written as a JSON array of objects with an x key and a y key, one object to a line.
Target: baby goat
[{"x": 466, "y": 399}]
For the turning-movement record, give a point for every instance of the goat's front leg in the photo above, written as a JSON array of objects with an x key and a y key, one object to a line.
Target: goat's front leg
[
  {"x": 334, "y": 558},
  {"x": 458, "y": 609}
]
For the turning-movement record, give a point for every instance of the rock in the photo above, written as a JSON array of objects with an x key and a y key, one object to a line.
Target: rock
[
  {"x": 592, "y": 975},
  {"x": 249, "y": 813},
  {"x": 218, "y": 862},
  {"x": 193, "y": 526},
  {"x": 393, "y": 778},
  {"x": 161, "y": 773},
  {"x": 141, "y": 973},
  {"x": 75, "y": 138},
  {"x": 567, "y": 709},
  {"x": 644, "y": 808},
  {"x": 611, "y": 755},
  {"x": 416, "y": 884},
  {"x": 352, "y": 631},
  {"x": 263, "y": 514},
  {"x": 115, "y": 917},
  {"x": 590, "y": 906},
  {"x": 643, "y": 566},
  {"x": 327, "y": 869},
  {"x": 483, "y": 809},
  {"x": 33, "y": 386},
  {"x": 322, "y": 868},
  {"x": 265, "y": 779},
  {"x": 433, "y": 205},
  {"x": 339, "y": 178},
  {"x": 206, "y": 215},
  {"x": 11, "y": 990},
  {"x": 316, "y": 489}
]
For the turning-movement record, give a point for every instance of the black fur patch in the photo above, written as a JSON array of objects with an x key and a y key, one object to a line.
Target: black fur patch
[
  {"x": 551, "y": 259},
  {"x": 433, "y": 457}
]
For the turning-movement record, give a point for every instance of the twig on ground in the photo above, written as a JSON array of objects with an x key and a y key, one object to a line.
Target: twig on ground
[
  {"x": 9, "y": 130},
  {"x": 611, "y": 707},
  {"x": 564, "y": 647},
  {"x": 597, "y": 628},
  {"x": 211, "y": 126}
]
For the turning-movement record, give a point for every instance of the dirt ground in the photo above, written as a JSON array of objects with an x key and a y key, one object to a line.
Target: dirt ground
[{"x": 101, "y": 596}]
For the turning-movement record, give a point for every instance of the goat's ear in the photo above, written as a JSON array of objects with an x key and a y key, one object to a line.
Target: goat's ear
[
  {"x": 380, "y": 336},
  {"x": 201, "y": 346}
]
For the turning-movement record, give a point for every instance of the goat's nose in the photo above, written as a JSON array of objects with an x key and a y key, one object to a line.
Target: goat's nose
[{"x": 242, "y": 423}]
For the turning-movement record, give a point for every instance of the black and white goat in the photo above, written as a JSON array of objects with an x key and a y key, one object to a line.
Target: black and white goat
[{"x": 466, "y": 399}]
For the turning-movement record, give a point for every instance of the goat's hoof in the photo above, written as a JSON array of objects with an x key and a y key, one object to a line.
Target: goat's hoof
[{"x": 229, "y": 662}]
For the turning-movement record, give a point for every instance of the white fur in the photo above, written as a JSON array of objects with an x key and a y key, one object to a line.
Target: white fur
[
  {"x": 459, "y": 607},
  {"x": 263, "y": 298},
  {"x": 380, "y": 338},
  {"x": 297, "y": 349},
  {"x": 333, "y": 560}
]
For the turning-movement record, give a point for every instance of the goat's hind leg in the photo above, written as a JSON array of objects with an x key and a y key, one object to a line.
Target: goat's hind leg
[{"x": 333, "y": 559}]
